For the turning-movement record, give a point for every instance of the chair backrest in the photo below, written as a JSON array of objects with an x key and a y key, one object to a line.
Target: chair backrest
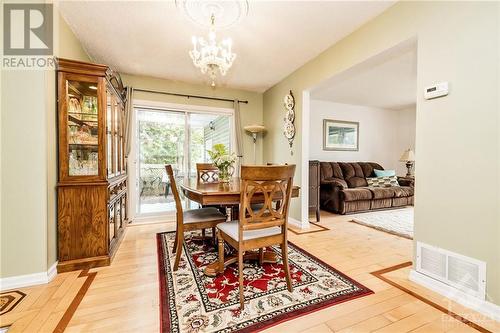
[
  {"x": 175, "y": 192},
  {"x": 265, "y": 184},
  {"x": 207, "y": 173}
]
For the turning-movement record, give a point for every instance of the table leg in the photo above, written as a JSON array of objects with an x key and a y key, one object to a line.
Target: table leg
[{"x": 229, "y": 213}]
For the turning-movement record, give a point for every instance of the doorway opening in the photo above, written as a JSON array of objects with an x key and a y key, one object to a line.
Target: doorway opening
[{"x": 366, "y": 113}]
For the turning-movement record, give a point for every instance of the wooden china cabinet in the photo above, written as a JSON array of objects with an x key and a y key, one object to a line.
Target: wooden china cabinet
[{"x": 92, "y": 186}]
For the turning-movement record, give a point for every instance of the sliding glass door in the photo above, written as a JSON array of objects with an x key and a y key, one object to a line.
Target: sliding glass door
[{"x": 179, "y": 138}]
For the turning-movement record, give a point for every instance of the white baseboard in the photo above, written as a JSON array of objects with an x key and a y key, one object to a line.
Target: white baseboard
[
  {"x": 27, "y": 280},
  {"x": 482, "y": 306},
  {"x": 294, "y": 222}
]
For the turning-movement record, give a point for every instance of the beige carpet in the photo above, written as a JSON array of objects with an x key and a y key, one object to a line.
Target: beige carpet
[{"x": 395, "y": 221}]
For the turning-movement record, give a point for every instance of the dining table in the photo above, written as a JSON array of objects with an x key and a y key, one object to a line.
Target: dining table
[{"x": 227, "y": 195}]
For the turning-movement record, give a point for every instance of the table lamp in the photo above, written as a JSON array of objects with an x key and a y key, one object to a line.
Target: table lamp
[
  {"x": 408, "y": 157},
  {"x": 254, "y": 130}
]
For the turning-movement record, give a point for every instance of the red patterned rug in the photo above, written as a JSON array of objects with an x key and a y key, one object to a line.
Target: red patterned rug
[{"x": 192, "y": 302}]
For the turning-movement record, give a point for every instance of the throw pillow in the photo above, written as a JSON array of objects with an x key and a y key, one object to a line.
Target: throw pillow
[
  {"x": 384, "y": 173},
  {"x": 382, "y": 181}
]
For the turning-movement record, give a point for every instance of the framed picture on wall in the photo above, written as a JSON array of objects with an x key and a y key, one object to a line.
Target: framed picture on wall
[{"x": 340, "y": 135}]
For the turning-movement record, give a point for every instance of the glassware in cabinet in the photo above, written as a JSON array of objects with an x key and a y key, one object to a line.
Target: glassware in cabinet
[
  {"x": 116, "y": 137},
  {"x": 83, "y": 128}
]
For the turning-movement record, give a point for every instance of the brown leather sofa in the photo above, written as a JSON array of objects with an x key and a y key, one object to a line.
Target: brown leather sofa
[{"x": 343, "y": 188}]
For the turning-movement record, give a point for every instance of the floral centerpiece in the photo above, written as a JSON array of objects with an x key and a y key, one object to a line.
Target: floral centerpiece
[{"x": 223, "y": 160}]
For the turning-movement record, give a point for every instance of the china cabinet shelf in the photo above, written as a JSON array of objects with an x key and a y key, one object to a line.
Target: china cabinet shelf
[
  {"x": 92, "y": 187},
  {"x": 84, "y": 145},
  {"x": 83, "y": 113}
]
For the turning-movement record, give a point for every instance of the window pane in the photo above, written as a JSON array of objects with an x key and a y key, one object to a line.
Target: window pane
[
  {"x": 206, "y": 130},
  {"x": 161, "y": 141}
]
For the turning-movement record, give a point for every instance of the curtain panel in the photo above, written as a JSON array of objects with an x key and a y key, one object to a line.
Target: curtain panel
[
  {"x": 238, "y": 133},
  {"x": 129, "y": 109}
]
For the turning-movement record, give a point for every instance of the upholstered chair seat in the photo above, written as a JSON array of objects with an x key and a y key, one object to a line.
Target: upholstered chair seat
[
  {"x": 231, "y": 229},
  {"x": 202, "y": 215}
]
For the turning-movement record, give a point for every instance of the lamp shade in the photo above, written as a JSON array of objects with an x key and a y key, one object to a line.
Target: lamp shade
[
  {"x": 408, "y": 155},
  {"x": 254, "y": 128}
]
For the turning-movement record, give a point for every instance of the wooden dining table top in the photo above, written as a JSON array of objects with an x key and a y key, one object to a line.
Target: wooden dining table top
[{"x": 217, "y": 193}]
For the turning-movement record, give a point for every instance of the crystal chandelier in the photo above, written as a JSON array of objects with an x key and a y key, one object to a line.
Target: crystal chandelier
[{"x": 210, "y": 56}]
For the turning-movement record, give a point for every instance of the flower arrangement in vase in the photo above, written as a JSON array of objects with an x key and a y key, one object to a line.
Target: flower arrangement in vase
[{"x": 223, "y": 160}]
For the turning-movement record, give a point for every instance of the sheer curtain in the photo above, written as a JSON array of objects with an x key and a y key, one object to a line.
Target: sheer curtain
[
  {"x": 129, "y": 105},
  {"x": 238, "y": 129}
]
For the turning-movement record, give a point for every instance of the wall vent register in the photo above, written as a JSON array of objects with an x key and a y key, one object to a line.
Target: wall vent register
[{"x": 458, "y": 271}]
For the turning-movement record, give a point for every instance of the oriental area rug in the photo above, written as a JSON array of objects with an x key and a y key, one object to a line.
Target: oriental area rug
[{"x": 192, "y": 302}]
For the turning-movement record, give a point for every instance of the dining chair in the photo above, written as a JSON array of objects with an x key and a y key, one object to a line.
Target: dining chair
[
  {"x": 262, "y": 228},
  {"x": 207, "y": 173},
  {"x": 189, "y": 220}
]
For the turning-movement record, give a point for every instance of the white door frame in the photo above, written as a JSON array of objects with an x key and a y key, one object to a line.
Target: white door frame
[
  {"x": 132, "y": 162},
  {"x": 304, "y": 221}
]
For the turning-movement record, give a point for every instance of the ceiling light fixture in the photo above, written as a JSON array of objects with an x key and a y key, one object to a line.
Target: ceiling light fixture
[{"x": 210, "y": 56}]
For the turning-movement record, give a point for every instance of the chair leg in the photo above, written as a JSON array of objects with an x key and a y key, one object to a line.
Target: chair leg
[
  {"x": 284, "y": 257},
  {"x": 180, "y": 242},
  {"x": 214, "y": 238},
  {"x": 240, "y": 276},
  {"x": 261, "y": 256},
  {"x": 175, "y": 243},
  {"x": 221, "y": 254},
  {"x": 203, "y": 233}
]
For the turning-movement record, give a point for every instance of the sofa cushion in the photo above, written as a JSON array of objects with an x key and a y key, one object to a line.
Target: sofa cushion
[
  {"x": 330, "y": 170},
  {"x": 368, "y": 168},
  {"x": 334, "y": 181},
  {"x": 384, "y": 173},
  {"x": 355, "y": 194},
  {"x": 383, "y": 192},
  {"x": 353, "y": 174},
  {"x": 405, "y": 181},
  {"x": 382, "y": 181},
  {"x": 403, "y": 191},
  {"x": 351, "y": 169},
  {"x": 356, "y": 182}
]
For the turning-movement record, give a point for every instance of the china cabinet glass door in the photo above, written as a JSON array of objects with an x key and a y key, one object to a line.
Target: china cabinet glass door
[
  {"x": 109, "y": 133},
  {"x": 82, "y": 128}
]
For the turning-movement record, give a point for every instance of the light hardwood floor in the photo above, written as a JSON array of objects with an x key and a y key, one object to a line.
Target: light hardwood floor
[{"x": 124, "y": 296}]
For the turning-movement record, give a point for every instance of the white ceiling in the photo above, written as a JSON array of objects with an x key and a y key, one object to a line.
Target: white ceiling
[
  {"x": 386, "y": 81},
  {"x": 153, "y": 38}
]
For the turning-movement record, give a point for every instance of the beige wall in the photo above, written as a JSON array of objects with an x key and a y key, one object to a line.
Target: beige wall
[
  {"x": 28, "y": 141},
  {"x": 23, "y": 173},
  {"x": 29, "y": 162},
  {"x": 251, "y": 113},
  {"x": 456, "y": 136}
]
